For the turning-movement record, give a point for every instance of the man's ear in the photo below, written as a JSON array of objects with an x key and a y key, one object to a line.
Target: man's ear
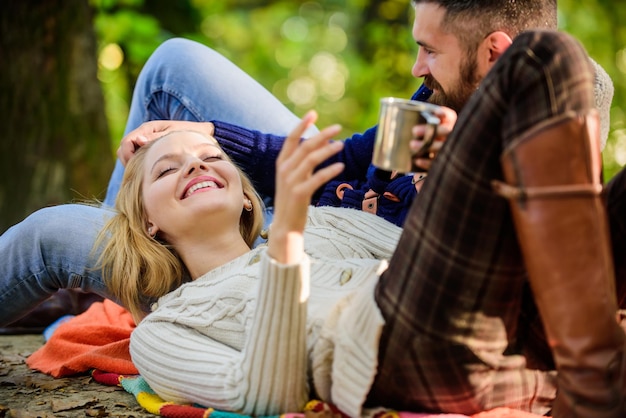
[
  {"x": 492, "y": 48},
  {"x": 498, "y": 42}
]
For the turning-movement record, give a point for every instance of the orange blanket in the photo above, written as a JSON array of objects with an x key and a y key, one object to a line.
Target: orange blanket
[{"x": 96, "y": 339}]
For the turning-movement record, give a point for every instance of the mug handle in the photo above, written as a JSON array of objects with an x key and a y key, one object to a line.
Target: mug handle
[{"x": 432, "y": 122}]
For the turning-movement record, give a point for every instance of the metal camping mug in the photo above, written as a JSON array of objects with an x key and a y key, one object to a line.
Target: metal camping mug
[{"x": 395, "y": 123}]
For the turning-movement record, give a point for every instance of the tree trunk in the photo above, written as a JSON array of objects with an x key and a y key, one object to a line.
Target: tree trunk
[{"x": 54, "y": 146}]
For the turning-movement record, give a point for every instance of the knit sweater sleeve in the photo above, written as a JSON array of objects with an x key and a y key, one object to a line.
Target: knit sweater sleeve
[
  {"x": 184, "y": 353},
  {"x": 253, "y": 151},
  {"x": 256, "y": 152},
  {"x": 356, "y": 155},
  {"x": 276, "y": 353}
]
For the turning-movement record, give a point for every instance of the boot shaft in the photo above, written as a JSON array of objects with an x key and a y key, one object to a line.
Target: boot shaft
[{"x": 553, "y": 183}]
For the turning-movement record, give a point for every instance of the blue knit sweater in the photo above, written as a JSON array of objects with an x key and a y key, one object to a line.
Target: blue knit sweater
[{"x": 360, "y": 185}]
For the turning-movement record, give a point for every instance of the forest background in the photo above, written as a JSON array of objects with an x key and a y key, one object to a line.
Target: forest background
[{"x": 69, "y": 67}]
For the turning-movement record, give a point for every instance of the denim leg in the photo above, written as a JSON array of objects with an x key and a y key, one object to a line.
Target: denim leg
[
  {"x": 185, "y": 80},
  {"x": 49, "y": 250},
  {"x": 182, "y": 80}
]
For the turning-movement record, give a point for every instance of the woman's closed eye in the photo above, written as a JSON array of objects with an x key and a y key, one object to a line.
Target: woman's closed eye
[
  {"x": 165, "y": 170},
  {"x": 209, "y": 158},
  {"x": 171, "y": 168}
]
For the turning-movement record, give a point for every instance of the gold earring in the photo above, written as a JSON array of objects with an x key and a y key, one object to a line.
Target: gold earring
[{"x": 248, "y": 205}]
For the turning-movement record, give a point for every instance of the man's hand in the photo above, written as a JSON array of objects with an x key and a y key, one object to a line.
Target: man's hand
[
  {"x": 447, "y": 118},
  {"x": 152, "y": 130}
]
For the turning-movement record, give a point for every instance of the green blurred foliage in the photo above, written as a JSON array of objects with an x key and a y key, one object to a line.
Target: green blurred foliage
[{"x": 336, "y": 56}]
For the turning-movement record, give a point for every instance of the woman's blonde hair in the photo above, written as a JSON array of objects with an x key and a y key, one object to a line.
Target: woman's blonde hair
[{"x": 137, "y": 267}]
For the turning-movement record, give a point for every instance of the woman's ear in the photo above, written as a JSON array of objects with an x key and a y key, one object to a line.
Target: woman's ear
[
  {"x": 152, "y": 229},
  {"x": 492, "y": 48},
  {"x": 247, "y": 203}
]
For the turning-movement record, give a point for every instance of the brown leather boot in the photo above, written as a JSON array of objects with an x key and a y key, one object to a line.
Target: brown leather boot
[{"x": 554, "y": 189}]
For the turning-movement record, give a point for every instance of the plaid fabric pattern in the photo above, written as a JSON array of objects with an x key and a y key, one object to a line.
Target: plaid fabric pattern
[{"x": 452, "y": 296}]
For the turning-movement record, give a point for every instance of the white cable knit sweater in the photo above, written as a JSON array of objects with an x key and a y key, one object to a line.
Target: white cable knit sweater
[{"x": 251, "y": 335}]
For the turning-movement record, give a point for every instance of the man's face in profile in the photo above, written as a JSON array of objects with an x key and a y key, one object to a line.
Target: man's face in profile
[{"x": 449, "y": 69}]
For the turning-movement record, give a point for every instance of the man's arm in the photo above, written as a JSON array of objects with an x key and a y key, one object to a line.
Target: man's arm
[{"x": 255, "y": 152}]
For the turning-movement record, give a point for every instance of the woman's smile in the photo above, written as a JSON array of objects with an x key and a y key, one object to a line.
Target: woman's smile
[{"x": 201, "y": 184}]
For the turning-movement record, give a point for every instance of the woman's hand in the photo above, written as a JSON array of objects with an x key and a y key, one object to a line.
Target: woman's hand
[
  {"x": 296, "y": 181},
  {"x": 152, "y": 130},
  {"x": 447, "y": 119}
]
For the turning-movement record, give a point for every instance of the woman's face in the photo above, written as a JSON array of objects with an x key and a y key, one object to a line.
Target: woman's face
[{"x": 188, "y": 182}]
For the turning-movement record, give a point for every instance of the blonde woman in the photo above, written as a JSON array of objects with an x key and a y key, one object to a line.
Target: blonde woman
[{"x": 184, "y": 203}]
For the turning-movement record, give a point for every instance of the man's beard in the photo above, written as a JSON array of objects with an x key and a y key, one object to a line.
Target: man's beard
[{"x": 458, "y": 95}]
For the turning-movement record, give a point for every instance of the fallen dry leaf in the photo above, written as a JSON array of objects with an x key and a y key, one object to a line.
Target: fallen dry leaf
[
  {"x": 39, "y": 381},
  {"x": 71, "y": 402},
  {"x": 12, "y": 359},
  {"x": 96, "y": 412},
  {"x": 22, "y": 413}
]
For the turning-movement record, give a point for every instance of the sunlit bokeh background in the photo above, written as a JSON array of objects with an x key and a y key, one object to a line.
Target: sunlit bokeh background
[{"x": 336, "y": 56}]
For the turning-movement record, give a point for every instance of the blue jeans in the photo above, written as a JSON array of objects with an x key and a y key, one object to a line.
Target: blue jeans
[{"x": 183, "y": 80}]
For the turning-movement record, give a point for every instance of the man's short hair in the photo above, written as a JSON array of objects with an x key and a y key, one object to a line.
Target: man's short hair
[{"x": 472, "y": 20}]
